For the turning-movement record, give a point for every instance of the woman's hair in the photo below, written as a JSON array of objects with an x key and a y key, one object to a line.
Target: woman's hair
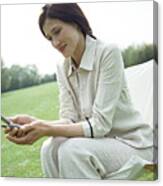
[{"x": 66, "y": 12}]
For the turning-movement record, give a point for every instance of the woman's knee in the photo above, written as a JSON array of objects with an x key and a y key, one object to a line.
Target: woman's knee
[
  {"x": 45, "y": 148},
  {"x": 72, "y": 149},
  {"x": 50, "y": 146}
]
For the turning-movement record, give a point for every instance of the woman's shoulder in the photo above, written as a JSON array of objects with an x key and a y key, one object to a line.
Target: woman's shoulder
[
  {"x": 106, "y": 47},
  {"x": 108, "y": 53}
]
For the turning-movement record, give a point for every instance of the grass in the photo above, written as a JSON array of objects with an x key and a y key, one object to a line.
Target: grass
[{"x": 39, "y": 101}]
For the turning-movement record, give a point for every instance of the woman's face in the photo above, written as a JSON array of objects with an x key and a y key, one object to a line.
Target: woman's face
[{"x": 64, "y": 37}]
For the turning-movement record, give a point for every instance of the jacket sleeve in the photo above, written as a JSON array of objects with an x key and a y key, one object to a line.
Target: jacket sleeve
[
  {"x": 67, "y": 111},
  {"x": 108, "y": 93}
]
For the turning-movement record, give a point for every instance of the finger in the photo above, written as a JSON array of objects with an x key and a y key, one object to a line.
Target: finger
[
  {"x": 16, "y": 119},
  {"x": 13, "y": 131},
  {"x": 12, "y": 118},
  {"x": 27, "y": 128},
  {"x": 20, "y": 133},
  {"x": 7, "y": 130},
  {"x": 21, "y": 140},
  {"x": 22, "y": 119},
  {"x": 15, "y": 139}
]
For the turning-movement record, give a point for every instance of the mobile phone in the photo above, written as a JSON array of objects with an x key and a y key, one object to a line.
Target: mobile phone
[{"x": 9, "y": 123}]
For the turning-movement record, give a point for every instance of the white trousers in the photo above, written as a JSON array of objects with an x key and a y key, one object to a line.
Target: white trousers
[{"x": 87, "y": 158}]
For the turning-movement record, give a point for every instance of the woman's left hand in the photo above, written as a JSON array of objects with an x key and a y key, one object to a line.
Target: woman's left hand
[{"x": 30, "y": 133}]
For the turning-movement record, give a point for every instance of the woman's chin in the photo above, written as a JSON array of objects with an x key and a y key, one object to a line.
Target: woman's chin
[{"x": 66, "y": 55}]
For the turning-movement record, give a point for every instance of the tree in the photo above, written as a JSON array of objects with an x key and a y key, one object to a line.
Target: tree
[
  {"x": 48, "y": 78},
  {"x": 5, "y": 77},
  {"x": 134, "y": 55}
]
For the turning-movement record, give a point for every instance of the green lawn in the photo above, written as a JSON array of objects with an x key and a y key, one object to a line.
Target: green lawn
[{"x": 39, "y": 101}]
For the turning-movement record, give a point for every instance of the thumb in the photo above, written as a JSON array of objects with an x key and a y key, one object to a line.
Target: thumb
[
  {"x": 12, "y": 118},
  {"x": 27, "y": 128}
]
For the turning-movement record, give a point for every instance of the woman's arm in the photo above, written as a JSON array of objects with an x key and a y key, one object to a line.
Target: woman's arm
[
  {"x": 108, "y": 93},
  {"x": 38, "y": 129},
  {"x": 71, "y": 130}
]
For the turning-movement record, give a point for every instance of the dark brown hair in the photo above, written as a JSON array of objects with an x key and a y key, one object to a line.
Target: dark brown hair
[{"x": 66, "y": 12}]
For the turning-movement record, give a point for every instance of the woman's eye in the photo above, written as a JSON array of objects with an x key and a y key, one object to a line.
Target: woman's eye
[{"x": 57, "y": 32}]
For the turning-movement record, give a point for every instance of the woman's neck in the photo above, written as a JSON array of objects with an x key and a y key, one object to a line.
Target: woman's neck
[{"x": 79, "y": 51}]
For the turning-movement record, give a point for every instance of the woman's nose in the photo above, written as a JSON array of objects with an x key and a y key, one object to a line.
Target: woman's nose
[{"x": 55, "y": 43}]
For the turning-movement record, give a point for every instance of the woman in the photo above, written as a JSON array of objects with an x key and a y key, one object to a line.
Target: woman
[{"x": 99, "y": 130}]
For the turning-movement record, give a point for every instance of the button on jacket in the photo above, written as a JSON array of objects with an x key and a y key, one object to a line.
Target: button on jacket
[{"x": 96, "y": 95}]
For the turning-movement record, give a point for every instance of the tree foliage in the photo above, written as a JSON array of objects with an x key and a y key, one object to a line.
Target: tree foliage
[
  {"x": 134, "y": 55},
  {"x": 17, "y": 77}
]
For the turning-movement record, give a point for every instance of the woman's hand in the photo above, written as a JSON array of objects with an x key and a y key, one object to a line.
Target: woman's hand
[
  {"x": 22, "y": 119},
  {"x": 28, "y": 133}
]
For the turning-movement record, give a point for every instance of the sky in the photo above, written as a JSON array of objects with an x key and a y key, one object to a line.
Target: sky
[{"x": 122, "y": 23}]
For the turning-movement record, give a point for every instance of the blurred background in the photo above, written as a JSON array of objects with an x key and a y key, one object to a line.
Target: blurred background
[{"x": 28, "y": 59}]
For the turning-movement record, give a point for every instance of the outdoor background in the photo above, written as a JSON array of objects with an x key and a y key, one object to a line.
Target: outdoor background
[{"x": 28, "y": 60}]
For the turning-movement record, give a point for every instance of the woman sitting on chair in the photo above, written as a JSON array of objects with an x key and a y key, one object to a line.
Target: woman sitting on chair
[{"x": 99, "y": 130}]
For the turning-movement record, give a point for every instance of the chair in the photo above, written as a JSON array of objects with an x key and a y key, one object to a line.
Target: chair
[{"x": 142, "y": 80}]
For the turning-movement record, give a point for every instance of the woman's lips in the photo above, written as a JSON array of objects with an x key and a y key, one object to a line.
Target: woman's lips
[{"x": 61, "y": 49}]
